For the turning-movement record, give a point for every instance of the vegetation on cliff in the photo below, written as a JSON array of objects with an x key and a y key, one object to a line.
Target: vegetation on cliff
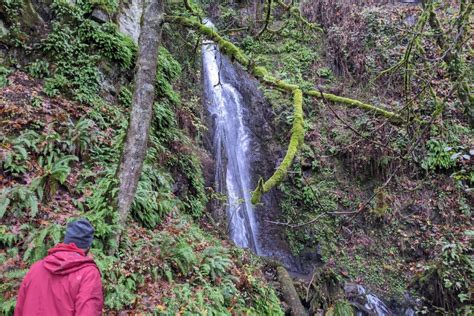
[{"x": 372, "y": 103}]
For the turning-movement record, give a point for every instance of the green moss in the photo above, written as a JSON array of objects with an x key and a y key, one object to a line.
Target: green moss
[
  {"x": 341, "y": 308},
  {"x": 260, "y": 72},
  {"x": 393, "y": 117},
  {"x": 297, "y": 131},
  {"x": 297, "y": 137}
]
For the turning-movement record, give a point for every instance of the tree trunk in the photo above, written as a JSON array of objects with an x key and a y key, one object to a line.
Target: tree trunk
[
  {"x": 135, "y": 146},
  {"x": 289, "y": 293}
]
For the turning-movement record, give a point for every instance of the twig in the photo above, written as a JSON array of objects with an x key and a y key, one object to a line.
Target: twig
[{"x": 267, "y": 18}]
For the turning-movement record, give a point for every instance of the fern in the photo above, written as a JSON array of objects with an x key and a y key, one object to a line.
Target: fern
[
  {"x": 55, "y": 172},
  {"x": 183, "y": 257},
  {"x": 101, "y": 213},
  {"x": 8, "y": 306},
  {"x": 40, "y": 240},
  {"x": 438, "y": 156},
  {"x": 215, "y": 262},
  {"x": 7, "y": 238},
  {"x": 15, "y": 159},
  {"x": 50, "y": 146},
  {"x": 153, "y": 198},
  {"x": 18, "y": 199},
  {"x": 80, "y": 137}
]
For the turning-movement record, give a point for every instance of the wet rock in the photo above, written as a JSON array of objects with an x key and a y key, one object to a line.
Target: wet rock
[
  {"x": 263, "y": 160},
  {"x": 100, "y": 16},
  {"x": 44, "y": 9},
  {"x": 365, "y": 301}
]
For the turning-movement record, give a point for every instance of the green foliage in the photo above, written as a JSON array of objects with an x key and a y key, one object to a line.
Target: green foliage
[
  {"x": 55, "y": 172},
  {"x": 10, "y": 280},
  {"x": 102, "y": 213},
  {"x": 40, "y": 240},
  {"x": 325, "y": 73},
  {"x": 214, "y": 264},
  {"x": 4, "y": 72},
  {"x": 168, "y": 70},
  {"x": 36, "y": 101},
  {"x": 8, "y": 306},
  {"x": 109, "y": 42},
  {"x": 13, "y": 7},
  {"x": 202, "y": 283},
  {"x": 15, "y": 159},
  {"x": 182, "y": 256},
  {"x": 80, "y": 137},
  {"x": 341, "y": 308},
  {"x": 438, "y": 156},
  {"x": 110, "y": 6},
  {"x": 54, "y": 85},
  {"x": 76, "y": 45},
  {"x": 153, "y": 198},
  {"x": 305, "y": 198},
  {"x": 39, "y": 69},
  {"x": 194, "y": 202},
  {"x": 296, "y": 53},
  {"x": 165, "y": 127},
  {"x": 18, "y": 199},
  {"x": 7, "y": 237},
  {"x": 445, "y": 284},
  {"x": 125, "y": 96},
  {"x": 119, "y": 288}
]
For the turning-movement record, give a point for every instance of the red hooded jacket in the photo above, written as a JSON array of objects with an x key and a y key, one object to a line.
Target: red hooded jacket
[{"x": 66, "y": 282}]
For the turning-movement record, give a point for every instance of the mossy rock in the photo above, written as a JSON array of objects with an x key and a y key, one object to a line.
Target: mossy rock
[{"x": 326, "y": 290}]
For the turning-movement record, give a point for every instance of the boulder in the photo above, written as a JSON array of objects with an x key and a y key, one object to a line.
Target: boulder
[
  {"x": 100, "y": 16},
  {"x": 129, "y": 18}
]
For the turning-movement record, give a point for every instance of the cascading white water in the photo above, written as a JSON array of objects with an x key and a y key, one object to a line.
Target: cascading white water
[{"x": 231, "y": 148}]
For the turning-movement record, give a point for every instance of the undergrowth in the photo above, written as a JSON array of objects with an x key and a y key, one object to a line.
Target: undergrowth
[{"x": 62, "y": 166}]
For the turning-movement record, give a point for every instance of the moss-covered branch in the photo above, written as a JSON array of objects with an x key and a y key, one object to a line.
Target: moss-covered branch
[
  {"x": 391, "y": 116},
  {"x": 263, "y": 75},
  {"x": 225, "y": 46},
  {"x": 296, "y": 140}
]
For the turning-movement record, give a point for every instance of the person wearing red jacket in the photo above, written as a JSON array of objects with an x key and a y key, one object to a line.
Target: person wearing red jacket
[{"x": 67, "y": 281}]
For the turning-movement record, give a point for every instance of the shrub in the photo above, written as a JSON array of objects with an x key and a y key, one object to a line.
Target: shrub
[{"x": 438, "y": 156}]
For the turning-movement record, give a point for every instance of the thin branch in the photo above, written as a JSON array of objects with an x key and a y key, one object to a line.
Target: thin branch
[{"x": 267, "y": 18}]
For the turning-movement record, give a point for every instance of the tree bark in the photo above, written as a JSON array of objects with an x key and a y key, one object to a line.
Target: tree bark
[
  {"x": 289, "y": 293},
  {"x": 135, "y": 146}
]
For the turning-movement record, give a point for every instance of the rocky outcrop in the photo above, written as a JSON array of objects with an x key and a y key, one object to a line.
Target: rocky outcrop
[
  {"x": 266, "y": 153},
  {"x": 129, "y": 18}
]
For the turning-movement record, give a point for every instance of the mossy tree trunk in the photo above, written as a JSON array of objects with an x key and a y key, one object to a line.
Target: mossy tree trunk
[
  {"x": 289, "y": 293},
  {"x": 135, "y": 146}
]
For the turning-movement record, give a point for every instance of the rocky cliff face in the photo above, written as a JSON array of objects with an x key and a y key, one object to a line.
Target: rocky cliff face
[
  {"x": 129, "y": 18},
  {"x": 266, "y": 154}
]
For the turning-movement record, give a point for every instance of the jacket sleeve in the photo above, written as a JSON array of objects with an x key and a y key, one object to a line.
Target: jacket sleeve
[
  {"x": 20, "y": 300},
  {"x": 89, "y": 299}
]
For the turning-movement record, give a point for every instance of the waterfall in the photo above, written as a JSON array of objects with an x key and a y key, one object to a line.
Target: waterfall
[{"x": 231, "y": 145}]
